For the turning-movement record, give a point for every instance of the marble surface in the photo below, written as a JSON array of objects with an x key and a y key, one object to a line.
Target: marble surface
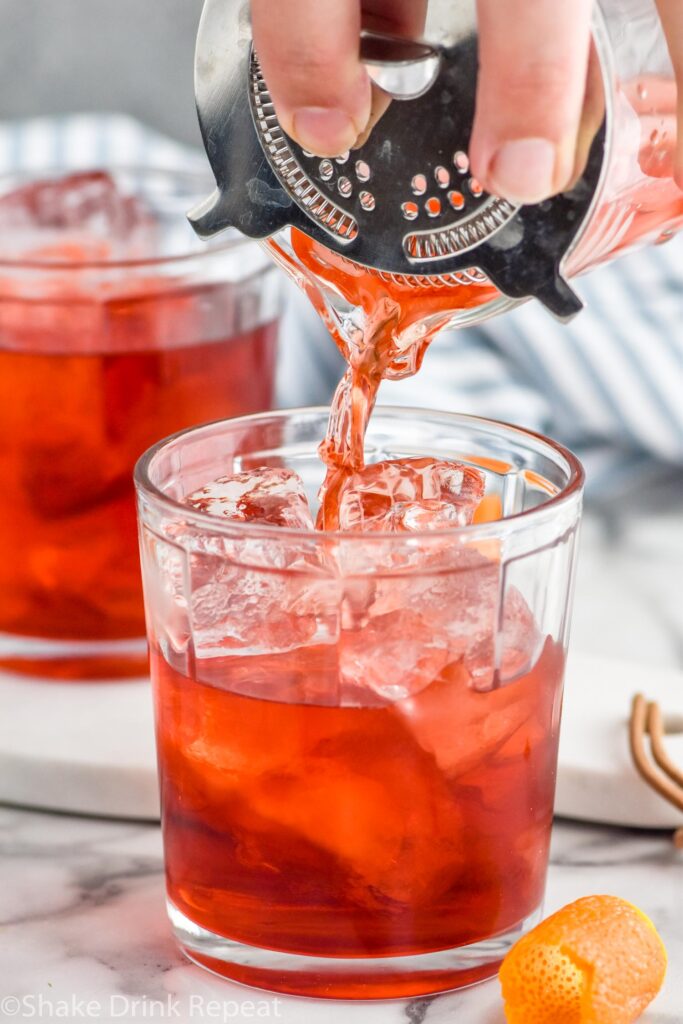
[{"x": 83, "y": 933}]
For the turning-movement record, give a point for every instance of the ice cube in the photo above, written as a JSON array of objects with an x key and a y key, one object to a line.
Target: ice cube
[
  {"x": 394, "y": 655},
  {"x": 259, "y": 595},
  {"x": 517, "y": 637},
  {"x": 251, "y": 611},
  {"x": 265, "y": 495},
  {"x": 461, "y": 726},
  {"x": 475, "y": 703},
  {"x": 238, "y": 600},
  {"x": 441, "y": 606},
  {"x": 74, "y": 218},
  {"x": 410, "y": 495},
  {"x": 458, "y": 592},
  {"x": 164, "y": 565},
  {"x": 88, "y": 200},
  {"x": 423, "y": 609}
]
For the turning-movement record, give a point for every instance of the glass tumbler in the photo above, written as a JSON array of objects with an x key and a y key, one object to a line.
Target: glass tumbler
[
  {"x": 357, "y": 733},
  {"x": 117, "y": 327}
]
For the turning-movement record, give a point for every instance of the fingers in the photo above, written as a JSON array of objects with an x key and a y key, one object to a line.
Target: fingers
[
  {"x": 671, "y": 13},
  {"x": 379, "y": 104},
  {"x": 592, "y": 115},
  {"x": 309, "y": 53},
  {"x": 310, "y": 57},
  {"x": 405, "y": 18},
  {"x": 532, "y": 82}
]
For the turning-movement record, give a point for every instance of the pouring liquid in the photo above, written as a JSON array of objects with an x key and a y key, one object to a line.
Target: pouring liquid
[{"x": 387, "y": 322}]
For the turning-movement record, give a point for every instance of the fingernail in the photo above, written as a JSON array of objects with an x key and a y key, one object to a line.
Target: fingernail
[
  {"x": 324, "y": 131},
  {"x": 523, "y": 170}
]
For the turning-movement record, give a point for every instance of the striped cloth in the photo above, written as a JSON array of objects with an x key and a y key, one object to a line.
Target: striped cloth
[
  {"x": 609, "y": 385},
  {"x": 79, "y": 141}
]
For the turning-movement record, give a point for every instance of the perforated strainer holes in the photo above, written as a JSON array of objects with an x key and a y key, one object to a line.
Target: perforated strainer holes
[
  {"x": 342, "y": 158},
  {"x": 461, "y": 161},
  {"x": 419, "y": 185},
  {"x": 326, "y": 169},
  {"x": 433, "y": 207},
  {"x": 367, "y": 200},
  {"x": 475, "y": 188},
  {"x": 345, "y": 187},
  {"x": 442, "y": 177},
  {"x": 410, "y": 210},
  {"x": 457, "y": 200},
  {"x": 363, "y": 171}
]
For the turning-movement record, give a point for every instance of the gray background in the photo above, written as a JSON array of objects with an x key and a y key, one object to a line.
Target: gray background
[{"x": 129, "y": 56}]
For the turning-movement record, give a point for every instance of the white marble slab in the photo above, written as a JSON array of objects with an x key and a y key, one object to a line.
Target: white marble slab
[
  {"x": 81, "y": 747},
  {"x": 82, "y": 918},
  {"x": 596, "y": 777}
]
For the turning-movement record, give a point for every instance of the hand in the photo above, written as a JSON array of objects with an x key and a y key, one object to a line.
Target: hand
[{"x": 538, "y": 99}]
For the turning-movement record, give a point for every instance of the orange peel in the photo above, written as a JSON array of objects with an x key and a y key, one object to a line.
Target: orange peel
[{"x": 596, "y": 961}]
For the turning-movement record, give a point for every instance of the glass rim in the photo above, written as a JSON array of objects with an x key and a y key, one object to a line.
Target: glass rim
[
  {"x": 210, "y": 248},
  {"x": 570, "y": 492}
]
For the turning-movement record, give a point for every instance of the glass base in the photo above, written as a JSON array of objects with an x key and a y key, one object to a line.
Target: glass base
[
  {"x": 393, "y": 977},
  {"x": 74, "y": 660}
]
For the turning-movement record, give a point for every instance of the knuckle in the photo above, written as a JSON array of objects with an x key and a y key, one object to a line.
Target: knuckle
[
  {"x": 307, "y": 68},
  {"x": 538, "y": 82}
]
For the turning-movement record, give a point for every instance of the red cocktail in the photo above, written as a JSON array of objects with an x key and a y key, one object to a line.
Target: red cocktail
[
  {"x": 115, "y": 330},
  {"x": 357, "y": 730}
]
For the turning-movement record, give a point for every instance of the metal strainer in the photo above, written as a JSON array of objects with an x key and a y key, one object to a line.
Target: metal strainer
[{"x": 406, "y": 202}]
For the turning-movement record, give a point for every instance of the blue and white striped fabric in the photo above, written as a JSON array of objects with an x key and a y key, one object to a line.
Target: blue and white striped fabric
[
  {"x": 81, "y": 141},
  {"x": 609, "y": 385}
]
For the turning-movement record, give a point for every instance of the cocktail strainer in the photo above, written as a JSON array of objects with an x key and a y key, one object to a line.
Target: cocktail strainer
[{"x": 406, "y": 202}]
